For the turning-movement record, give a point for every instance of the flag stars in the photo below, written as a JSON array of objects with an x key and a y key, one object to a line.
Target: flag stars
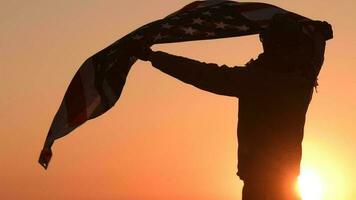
[
  {"x": 112, "y": 64},
  {"x": 158, "y": 37},
  {"x": 166, "y": 26},
  {"x": 243, "y": 28},
  {"x": 201, "y": 5},
  {"x": 198, "y": 21},
  {"x": 189, "y": 30},
  {"x": 112, "y": 52},
  {"x": 137, "y": 37},
  {"x": 221, "y": 25},
  {"x": 210, "y": 34},
  {"x": 229, "y": 17},
  {"x": 208, "y": 13}
]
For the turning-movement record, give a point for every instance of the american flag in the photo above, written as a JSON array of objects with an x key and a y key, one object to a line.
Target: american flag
[{"x": 98, "y": 83}]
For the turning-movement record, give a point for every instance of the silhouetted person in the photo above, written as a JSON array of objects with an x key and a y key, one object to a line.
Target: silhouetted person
[{"x": 274, "y": 92}]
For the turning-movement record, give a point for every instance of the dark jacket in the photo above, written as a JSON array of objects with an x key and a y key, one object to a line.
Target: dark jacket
[{"x": 272, "y": 109}]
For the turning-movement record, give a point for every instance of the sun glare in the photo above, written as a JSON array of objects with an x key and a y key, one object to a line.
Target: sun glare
[{"x": 310, "y": 186}]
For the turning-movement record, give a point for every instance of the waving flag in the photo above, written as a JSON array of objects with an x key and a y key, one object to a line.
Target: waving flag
[{"x": 98, "y": 83}]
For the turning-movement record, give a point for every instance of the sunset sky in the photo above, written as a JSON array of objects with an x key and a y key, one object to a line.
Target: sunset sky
[{"x": 164, "y": 139}]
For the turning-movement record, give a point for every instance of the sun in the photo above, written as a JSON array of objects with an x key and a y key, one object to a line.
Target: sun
[{"x": 310, "y": 185}]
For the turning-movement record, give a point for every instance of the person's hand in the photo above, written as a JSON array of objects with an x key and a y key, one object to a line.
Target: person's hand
[
  {"x": 320, "y": 27},
  {"x": 140, "y": 51},
  {"x": 325, "y": 29}
]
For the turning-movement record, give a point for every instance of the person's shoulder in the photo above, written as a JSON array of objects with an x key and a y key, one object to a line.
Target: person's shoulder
[{"x": 278, "y": 82}]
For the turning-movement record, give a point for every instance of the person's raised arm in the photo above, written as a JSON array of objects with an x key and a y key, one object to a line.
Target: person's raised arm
[{"x": 221, "y": 80}]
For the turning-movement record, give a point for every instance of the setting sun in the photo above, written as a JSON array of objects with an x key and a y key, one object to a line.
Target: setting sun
[{"x": 310, "y": 185}]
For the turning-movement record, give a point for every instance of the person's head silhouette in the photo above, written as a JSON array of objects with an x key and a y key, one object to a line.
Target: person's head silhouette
[
  {"x": 283, "y": 33},
  {"x": 291, "y": 47}
]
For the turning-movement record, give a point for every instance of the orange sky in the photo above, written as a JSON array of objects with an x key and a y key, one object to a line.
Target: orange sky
[{"x": 164, "y": 139}]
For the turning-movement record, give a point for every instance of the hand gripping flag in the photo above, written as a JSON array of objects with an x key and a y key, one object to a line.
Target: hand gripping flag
[{"x": 98, "y": 83}]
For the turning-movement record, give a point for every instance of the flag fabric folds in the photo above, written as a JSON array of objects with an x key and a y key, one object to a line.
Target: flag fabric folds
[{"x": 98, "y": 83}]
